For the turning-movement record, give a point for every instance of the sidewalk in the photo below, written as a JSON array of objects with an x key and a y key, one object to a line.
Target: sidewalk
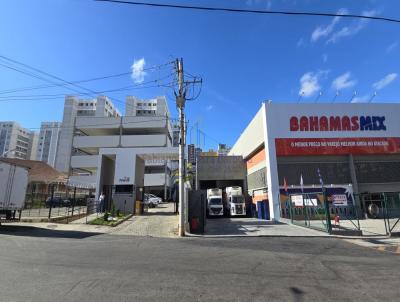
[
  {"x": 85, "y": 219},
  {"x": 157, "y": 222}
]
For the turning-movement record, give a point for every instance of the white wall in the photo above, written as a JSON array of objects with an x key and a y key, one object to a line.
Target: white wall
[{"x": 251, "y": 138}]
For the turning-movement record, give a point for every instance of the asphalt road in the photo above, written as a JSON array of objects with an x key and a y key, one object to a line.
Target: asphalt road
[{"x": 46, "y": 265}]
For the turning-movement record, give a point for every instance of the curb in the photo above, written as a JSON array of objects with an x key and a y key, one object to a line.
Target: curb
[
  {"x": 122, "y": 220},
  {"x": 112, "y": 225},
  {"x": 284, "y": 236}
]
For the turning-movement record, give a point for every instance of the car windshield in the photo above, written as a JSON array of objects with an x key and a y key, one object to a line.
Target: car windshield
[
  {"x": 215, "y": 201},
  {"x": 237, "y": 199}
]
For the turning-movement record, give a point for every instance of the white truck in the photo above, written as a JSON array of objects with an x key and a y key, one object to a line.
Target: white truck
[
  {"x": 215, "y": 206},
  {"x": 235, "y": 202},
  {"x": 13, "y": 183}
]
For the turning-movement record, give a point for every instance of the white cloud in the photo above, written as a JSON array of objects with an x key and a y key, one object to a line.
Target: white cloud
[
  {"x": 309, "y": 83},
  {"x": 267, "y": 4},
  {"x": 385, "y": 81},
  {"x": 300, "y": 43},
  {"x": 138, "y": 73},
  {"x": 391, "y": 47},
  {"x": 343, "y": 81},
  {"x": 352, "y": 29},
  {"x": 324, "y": 57},
  {"x": 209, "y": 107},
  {"x": 324, "y": 31},
  {"x": 361, "y": 99}
]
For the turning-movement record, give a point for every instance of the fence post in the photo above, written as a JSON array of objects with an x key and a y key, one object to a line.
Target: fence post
[
  {"x": 327, "y": 213},
  {"x": 51, "y": 199},
  {"x": 384, "y": 212}
]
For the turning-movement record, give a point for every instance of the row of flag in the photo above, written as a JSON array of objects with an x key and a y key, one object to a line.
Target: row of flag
[{"x": 285, "y": 185}]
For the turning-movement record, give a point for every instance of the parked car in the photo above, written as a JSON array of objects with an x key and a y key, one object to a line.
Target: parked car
[
  {"x": 159, "y": 200},
  {"x": 57, "y": 202},
  {"x": 150, "y": 200}
]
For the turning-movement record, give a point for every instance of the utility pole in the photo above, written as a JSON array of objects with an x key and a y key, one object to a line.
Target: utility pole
[{"x": 180, "y": 103}]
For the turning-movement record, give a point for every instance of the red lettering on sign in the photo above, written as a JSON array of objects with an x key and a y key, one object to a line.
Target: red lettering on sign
[
  {"x": 313, "y": 123},
  {"x": 334, "y": 123},
  {"x": 323, "y": 123},
  {"x": 354, "y": 123},
  {"x": 303, "y": 123},
  {"x": 346, "y": 123},
  {"x": 294, "y": 124}
]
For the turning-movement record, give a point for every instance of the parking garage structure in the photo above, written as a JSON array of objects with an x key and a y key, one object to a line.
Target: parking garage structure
[{"x": 353, "y": 145}]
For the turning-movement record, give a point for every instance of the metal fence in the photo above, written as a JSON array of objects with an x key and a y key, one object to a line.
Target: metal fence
[
  {"x": 361, "y": 214},
  {"x": 54, "y": 204}
]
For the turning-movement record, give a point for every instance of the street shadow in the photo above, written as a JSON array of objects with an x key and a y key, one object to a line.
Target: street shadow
[
  {"x": 160, "y": 214},
  {"x": 31, "y": 231},
  {"x": 242, "y": 226},
  {"x": 297, "y": 293}
]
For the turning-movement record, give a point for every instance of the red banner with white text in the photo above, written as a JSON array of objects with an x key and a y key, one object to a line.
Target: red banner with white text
[{"x": 337, "y": 146}]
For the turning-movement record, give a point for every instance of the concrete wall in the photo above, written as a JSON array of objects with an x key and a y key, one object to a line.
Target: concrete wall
[
  {"x": 66, "y": 135},
  {"x": 221, "y": 168},
  {"x": 251, "y": 138},
  {"x": 139, "y": 172},
  {"x": 156, "y": 179}
]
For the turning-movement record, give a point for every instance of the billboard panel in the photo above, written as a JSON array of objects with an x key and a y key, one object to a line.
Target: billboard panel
[{"x": 337, "y": 146}]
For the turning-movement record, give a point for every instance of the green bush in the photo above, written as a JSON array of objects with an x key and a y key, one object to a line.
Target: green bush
[{"x": 106, "y": 214}]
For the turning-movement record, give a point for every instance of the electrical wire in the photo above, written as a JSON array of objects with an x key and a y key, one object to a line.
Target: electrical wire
[
  {"x": 251, "y": 11},
  {"x": 90, "y": 92},
  {"x": 53, "y": 96},
  {"x": 158, "y": 67},
  {"x": 117, "y": 123}
]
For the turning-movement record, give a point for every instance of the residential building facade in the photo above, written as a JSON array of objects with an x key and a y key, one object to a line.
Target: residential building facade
[
  {"x": 16, "y": 141},
  {"x": 74, "y": 108},
  {"x": 48, "y": 142},
  {"x": 106, "y": 152}
]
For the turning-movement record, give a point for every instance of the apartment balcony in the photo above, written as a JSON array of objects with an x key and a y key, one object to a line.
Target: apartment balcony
[
  {"x": 92, "y": 125},
  {"x": 154, "y": 180},
  {"x": 84, "y": 161},
  {"x": 148, "y": 123},
  {"x": 153, "y": 140},
  {"x": 98, "y": 141}
]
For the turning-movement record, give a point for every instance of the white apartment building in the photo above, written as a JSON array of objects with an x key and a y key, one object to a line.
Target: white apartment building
[
  {"x": 48, "y": 142},
  {"x": 16, "y": 141},
  {"x": 175, "y": 134},
  {"x": 150, "y": 107},
  {"x": 116, "y": 153},
  {"x": 75, "y": 107}
]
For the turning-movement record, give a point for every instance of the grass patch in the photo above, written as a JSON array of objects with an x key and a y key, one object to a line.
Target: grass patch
[{"x": 102, "y": 221}]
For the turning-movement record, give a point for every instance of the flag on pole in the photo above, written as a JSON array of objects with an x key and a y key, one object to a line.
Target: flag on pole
[
  {"x": 285, "y": 187},
  {"x": 301, "y": 183},
  {"x": 320, "y": 177}
]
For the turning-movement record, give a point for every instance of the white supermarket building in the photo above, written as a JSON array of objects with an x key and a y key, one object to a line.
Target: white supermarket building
[{"x": 354, "y": 144}]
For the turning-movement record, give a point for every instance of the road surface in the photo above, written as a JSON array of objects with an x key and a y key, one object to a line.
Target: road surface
[{"x": 49, "y": 265}]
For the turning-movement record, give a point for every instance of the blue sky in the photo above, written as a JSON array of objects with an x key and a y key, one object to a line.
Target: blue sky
[{"x": 242, "y": 58}]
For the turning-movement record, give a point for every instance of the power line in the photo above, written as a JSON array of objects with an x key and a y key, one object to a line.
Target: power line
[
  {"x": 66, "y": 83},
  {"x": 108, "y": 124},
  {"x": 252, "y": 11},
  {"x": 82, "y": 81},
  {"x": 157, "y": 83},
  {"x": 91, "y": 92}
]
